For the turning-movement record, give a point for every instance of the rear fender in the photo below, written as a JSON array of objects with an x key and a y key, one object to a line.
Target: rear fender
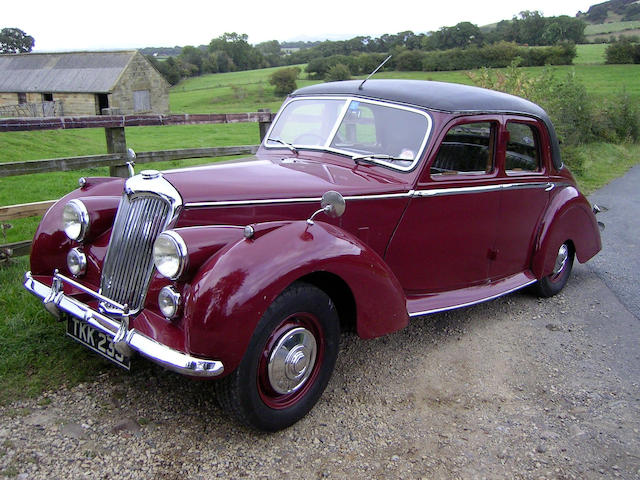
[
  {"x": 568, "y": 217},
  {"x": 232, "y": 290}
]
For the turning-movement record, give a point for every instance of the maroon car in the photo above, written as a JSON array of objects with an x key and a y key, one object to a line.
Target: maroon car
[{"x": 366, "y": 204}]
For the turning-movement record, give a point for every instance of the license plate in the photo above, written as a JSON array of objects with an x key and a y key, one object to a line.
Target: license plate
[{"x": 96, "y": 340}]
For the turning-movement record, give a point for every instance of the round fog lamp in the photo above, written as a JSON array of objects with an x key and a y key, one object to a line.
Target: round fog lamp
[
  {"x": 170, "y": 254},
  {"x": 169, "y": 301},
  {"x": 76, "y": 262},
  {"x": 75, "y": 220}
]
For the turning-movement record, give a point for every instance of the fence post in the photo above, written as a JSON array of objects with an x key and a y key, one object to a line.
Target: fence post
[
  {"x": 264, "y": 126},
  {"x": 116, "y": 143}
]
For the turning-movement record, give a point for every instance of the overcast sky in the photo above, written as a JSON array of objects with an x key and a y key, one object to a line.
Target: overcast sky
[{"x": 69, "y": 25}]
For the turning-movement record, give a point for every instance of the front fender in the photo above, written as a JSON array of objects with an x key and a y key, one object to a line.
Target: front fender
[
  {"x": 233, "y": 288},
  {"x": 568, "y": 217}
]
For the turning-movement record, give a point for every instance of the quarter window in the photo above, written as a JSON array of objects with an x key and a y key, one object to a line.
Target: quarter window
[
  {"x": 466, "y": 148},
  {"x": 523, "y": 153}
]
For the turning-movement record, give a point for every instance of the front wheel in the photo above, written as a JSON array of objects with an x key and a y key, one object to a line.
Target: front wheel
[
  {"x": 551, "y": 284},
  {"x": 288, "y": 363}
]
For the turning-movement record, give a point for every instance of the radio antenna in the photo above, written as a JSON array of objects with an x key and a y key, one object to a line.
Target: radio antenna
[{"x": 374, "y": 72}]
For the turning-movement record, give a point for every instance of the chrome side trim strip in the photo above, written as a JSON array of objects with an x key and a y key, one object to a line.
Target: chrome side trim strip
[
  {"x": 435, "y": 192},
  {"x": 231, "y": 203},
  {"x": 432, "y": 192},
  {"x": 156, "y": 352},
  {"x": 468, "y": 304}
]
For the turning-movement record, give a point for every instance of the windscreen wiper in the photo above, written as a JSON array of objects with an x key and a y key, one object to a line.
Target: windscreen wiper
[
  {"x": 282, "y": 142},
  {"x": 376, "y": 156}
]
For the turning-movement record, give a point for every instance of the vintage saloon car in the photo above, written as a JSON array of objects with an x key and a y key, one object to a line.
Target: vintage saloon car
[{"x": 366, "y": 205}]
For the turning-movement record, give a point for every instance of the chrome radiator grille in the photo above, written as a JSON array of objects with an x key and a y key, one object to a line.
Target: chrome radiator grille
[{"x": 129, "y": 260}]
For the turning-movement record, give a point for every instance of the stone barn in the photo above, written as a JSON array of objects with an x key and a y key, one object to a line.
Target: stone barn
[{"x": 80, "y": 83}]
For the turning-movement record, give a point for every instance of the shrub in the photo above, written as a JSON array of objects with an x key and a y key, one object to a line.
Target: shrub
[
  {"x": 623, "y": 51},
  {"x": 498, "y": 55},
  {"x": 410, "y": 60},
  {"x": 337, "y": 73},
  {"x": 577, "y": 117},
  {"x": 284, "y": 80}
]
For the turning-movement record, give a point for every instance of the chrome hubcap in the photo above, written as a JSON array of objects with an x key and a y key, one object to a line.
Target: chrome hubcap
[
  {"x": 561, "y": 259},
  {"x": 292, "y": 360}
]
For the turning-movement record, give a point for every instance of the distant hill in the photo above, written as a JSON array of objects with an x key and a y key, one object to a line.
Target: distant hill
[{"x": 612, "y": 11}]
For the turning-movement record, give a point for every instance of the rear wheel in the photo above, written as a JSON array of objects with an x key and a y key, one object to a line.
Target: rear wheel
[
  {"x": 288, "y": 362},
  {"x": 552, "y": 284}
]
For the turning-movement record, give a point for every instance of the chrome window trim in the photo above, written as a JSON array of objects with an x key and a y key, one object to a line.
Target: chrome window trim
[{"x": 347, "y": 100}]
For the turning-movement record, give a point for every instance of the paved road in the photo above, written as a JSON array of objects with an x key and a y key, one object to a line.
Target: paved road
[{"x": 618, "y": 265}]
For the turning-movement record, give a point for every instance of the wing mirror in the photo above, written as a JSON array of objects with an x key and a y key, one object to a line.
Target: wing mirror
[{"x": 332, "y": 204}]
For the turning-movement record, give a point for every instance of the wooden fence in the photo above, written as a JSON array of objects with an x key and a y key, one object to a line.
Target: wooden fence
[{"x": 116, "y": 157}]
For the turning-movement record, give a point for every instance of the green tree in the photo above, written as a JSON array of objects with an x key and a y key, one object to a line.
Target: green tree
[
  {"x": 462, "y": 35},
  {"x": 14, "y": 40},
  {"x": 337, "y": 73},
  {"x": 562, "y": 29},
  {"x": 271, "y": 52},
  {"x": 192, "y": 56},
  {"x": 243, "y": 55},
  {"x": 529, "y": 27},
  {"x": 284, "y": 80}
]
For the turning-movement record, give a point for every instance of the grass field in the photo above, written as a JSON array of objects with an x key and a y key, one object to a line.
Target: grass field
[
  {"x": 614, "y": 27},
  {"x": 35, "y": 356},
  {"x": 590, "y": 54}
]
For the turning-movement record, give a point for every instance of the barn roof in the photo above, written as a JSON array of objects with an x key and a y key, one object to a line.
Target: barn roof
[{"x": 77, "y": 72}]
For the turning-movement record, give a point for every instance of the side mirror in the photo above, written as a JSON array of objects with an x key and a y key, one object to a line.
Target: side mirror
[{"x": 332, "y": 204}]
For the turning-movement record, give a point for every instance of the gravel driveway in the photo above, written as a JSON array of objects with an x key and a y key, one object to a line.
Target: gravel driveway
[{"x": 515, "y": 388}]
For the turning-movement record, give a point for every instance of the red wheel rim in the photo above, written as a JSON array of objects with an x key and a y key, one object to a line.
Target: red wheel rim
[{"x": 298, "y": 326}]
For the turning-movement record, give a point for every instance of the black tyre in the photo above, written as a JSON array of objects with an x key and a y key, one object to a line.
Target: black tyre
[
  {"x": 551, "y": 284},
  {"x": 288, "y": 362}
]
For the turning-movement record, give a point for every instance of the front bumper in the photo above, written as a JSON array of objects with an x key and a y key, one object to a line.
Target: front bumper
[{"x": 125, "y": 340}]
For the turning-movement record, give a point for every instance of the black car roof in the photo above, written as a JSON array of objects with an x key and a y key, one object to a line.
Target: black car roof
[{"x": 445, "y": 97}]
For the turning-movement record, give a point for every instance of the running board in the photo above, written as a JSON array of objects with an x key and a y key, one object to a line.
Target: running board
[{"x": 418, "y": 305}]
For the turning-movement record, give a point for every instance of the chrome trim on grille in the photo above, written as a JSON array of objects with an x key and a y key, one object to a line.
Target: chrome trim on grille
[{"x": 148, "y": 205}]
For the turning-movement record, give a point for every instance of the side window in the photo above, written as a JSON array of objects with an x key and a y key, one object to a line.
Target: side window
[
  {"x": 523, "y": 152},
  {"x": 466, "y": 148}
]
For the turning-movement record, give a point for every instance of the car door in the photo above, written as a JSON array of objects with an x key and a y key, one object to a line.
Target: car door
[
  {"x": 445, "y": 236},
  {"x": 524, "y": 196}
]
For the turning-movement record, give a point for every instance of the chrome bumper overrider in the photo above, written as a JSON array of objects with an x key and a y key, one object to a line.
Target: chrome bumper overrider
[{"x": 125, "y": 340}]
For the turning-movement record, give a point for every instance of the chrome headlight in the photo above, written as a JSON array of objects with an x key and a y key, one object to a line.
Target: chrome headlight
[
  {"x": 169, "y": 301},
  {"x": 75, "y": 220},
  {"x": 76, "y": 262},
  {"x": 170, "y": 254}
]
